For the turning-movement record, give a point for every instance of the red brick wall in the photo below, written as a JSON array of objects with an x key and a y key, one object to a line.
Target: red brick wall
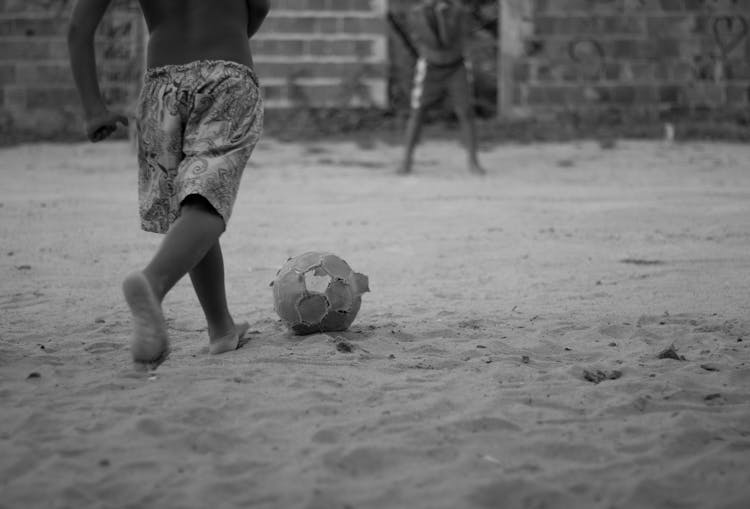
[
  {"x": 37, "y": 94},
  {"x": 626, "y": 57}
]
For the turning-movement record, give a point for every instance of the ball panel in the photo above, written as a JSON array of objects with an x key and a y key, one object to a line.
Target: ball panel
[
  {"x": 307, "y": 261},
  {"x": 336, "y": 267},
  {"x": 312, "y": 308},
  {"x": 360, "y": 283},
  {"x": 288, "y": 265},
  {"x": 339, "y": 295},
  {"x": 287, "y": 290},
  {"x": 339, "y": 321},
  {"x": 318, "y": 270}
]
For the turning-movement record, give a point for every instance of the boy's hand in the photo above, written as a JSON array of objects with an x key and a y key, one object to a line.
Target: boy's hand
[{"x": 103, "y": 125}]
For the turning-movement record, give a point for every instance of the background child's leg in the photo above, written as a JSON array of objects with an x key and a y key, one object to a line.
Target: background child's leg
[
  {"x": 469, "y": 135},
  {"x": 462, "y": 94},
  {"x": 416, "y": 114},
  {"x": 413, "y": 130}
]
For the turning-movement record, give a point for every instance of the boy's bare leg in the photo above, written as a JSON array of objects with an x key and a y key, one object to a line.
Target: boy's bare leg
[
  {"x": 469, "y": 135},
  {"x": 208, "y": 281},
  {"x": 186, "y": 243},
  {"x": 413, "y": 130}
]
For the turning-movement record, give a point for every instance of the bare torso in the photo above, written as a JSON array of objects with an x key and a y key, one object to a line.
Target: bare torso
[{"x": 182, "y": 31}]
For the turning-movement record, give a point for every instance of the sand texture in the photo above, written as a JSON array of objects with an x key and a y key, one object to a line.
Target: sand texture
[{"x": 571, "y": 331}]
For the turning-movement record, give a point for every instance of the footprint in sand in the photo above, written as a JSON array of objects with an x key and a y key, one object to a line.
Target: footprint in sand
[
  {"x": 324, "y": 410},
  {"x": 366, "y": 461},
  {"x": 102, "y": 347},
  {"x": 22, "y": 301},
  {"x": 150, "y": 427},
  {"x": 200, "y": 416},
  {"x": 325, "y": 436},
  {"x": 563, "y": 328},
  {"x": 485, "y": 424},
  {"x": 519, "y": 493},
  {"x": 574, "y": 453},
  {"x": 211, "y": 442},
  {"x": 428, "y": 350},
  {"x": 238, "y": 468},
  {"x": 362, "y": 461},
  {"x": 616, "y": 331}
]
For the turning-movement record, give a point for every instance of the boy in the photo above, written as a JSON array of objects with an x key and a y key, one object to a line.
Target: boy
[
  {"x": 199, "y": 117},
  {"x": 441, "y": 28}
]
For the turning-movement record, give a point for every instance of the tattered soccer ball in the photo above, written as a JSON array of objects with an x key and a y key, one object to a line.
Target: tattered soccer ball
[{"x": 318, "y": 292}]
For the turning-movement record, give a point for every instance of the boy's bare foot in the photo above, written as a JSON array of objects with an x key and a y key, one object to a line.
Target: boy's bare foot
[
  {"x": 229, "y": 341},
  {"x": 150, "y": 344}
]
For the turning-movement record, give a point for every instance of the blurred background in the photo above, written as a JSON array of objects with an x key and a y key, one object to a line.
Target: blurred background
[{"x": 544, "y": 69}]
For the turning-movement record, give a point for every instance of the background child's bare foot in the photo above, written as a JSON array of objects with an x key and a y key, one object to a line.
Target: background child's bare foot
[
  {"x": 404, "y": 169},
  {"x": 228, "y": 342},
  {"x": 476, "y": 169},
  {"x": 150, "y": 344}
]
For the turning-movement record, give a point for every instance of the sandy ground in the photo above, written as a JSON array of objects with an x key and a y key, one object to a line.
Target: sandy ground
[{"x": 507, "y": 356}]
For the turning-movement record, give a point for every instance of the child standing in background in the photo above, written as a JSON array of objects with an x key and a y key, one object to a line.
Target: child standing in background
[{"x": 441, "y": 29}]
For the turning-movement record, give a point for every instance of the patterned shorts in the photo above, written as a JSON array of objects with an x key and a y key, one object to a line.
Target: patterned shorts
[{"x": 197, "y": 125}]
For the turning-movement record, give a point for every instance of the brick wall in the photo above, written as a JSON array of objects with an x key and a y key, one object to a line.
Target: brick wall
[
  {"x": 37, "y": 94},
  {"x": 657, "y": 58},
  {"x": 308, "y": 53},
  {"x": 622, "y": 58},
  {"x": 329, "y": 53}
]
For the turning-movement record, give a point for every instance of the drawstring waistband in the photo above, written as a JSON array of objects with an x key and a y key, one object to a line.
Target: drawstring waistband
[{"x": 154, "y": 72}]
